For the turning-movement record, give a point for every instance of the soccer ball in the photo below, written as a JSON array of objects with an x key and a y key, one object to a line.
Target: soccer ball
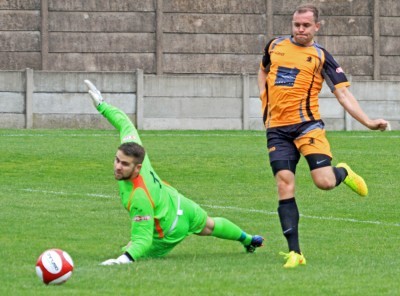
[{"x": 54, "y": 266}]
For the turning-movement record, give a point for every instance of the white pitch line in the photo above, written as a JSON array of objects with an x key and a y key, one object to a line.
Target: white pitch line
[
  {"x": 211, "y": 134},
  {"x": 232, "y": 208}
]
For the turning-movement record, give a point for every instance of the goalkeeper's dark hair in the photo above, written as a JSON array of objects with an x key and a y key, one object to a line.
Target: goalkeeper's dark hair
[{"x": 134, "y": 150}]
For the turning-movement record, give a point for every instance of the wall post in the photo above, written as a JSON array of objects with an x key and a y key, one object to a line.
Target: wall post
[
  {"x": 28, "y": 98},
  {"x": 139, "y": 98},
  {"x": 376, "y": 41},
  {"x": 159, "y": 37},
  {"x": 246, "y": 101},
  {"x": 44, "y": 33}
]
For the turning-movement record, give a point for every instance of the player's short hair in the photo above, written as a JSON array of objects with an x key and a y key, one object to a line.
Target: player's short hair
[
  {"x": 308, "y": 7},
  {"x": 134, "y": 150}
]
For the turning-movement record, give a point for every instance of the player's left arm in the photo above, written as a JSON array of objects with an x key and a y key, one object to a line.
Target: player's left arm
[
  {"x": 118, "y": 118},
  {"x": 351, "y": 105},
  {"x": 338, "y": 83}
]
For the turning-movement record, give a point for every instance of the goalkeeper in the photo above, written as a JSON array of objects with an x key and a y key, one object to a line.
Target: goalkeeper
[{"x": 160, "y": 216}]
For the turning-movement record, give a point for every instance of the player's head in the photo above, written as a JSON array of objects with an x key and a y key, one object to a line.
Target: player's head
[
  {"x": 128, "y": 161},
  {"x": 305, "y": 24}
]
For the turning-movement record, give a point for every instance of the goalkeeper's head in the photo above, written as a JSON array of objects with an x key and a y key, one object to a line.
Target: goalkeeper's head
[{"x": 128, "y": 161}]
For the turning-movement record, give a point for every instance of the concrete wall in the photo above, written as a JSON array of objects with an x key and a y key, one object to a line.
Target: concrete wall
[
  {"x": 190, "y": 37},
  {"x": 47, "y": 99}
]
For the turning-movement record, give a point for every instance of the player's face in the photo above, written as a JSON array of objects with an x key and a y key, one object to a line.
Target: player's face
[
  {"x": 304, "y": 28},
  {"x": 124, "y": 167}
]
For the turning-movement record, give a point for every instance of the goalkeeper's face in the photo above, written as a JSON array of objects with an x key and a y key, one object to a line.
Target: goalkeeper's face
[{"x": 125, "y": 167}]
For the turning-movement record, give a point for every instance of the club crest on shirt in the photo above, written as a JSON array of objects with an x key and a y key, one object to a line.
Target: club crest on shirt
[
  {"x": 339, "y": 70},
  {"x": 141, "y": 218}
]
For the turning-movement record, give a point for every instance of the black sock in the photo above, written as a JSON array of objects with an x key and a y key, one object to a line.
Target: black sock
[
  {"x": 340, "y": 174},
  {"x": 289, "y": 217}
]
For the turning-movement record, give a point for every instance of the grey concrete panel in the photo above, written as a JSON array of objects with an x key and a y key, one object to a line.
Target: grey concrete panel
[
  {"x": 330, "y": 25},
  {"x": 193, "y": 86},
  {"x": 73, "y": 121},
  {"x": 49, "y": 103},
  {"x": 12, "y": 120},
  {"x": 214, "y": 23},
  {"x": 390, "y": 77},
  {"x": 255, "y": 108},
  {"x": 14, "y": 20},
  {"x": 65, "y": 82},
  {"x": 101, "y": 5},
  {"x": 376, "y": 109},
  {"x": 253, "y": 84},
  {"x": 211, "y": 63},
  {"x": 192, "y": 107},
  {"x": 102, "y": 62},
  {"x": 20, "y": 41},
  {"x": 356, "y": 65},
  {"x": 347, "y": 45},
  {"x": 390, "y": 26},
  {"x": 12, "y": 81},
  {"x": 19, "y": 60},
  {"x": 331, "y": 108},
  {"x": 342, "y": 7},
  {"x": 212, "y": 43},
  {"x": 192, "y": 123},
  {"x": 333, "y": 124},
  {"x": 256, "y": 124},
  {"x": 101, "y": 22},
  {"x": 383, "y": 91},
  {"x": 390, "y": 65},
  {"x": 390, "y": 46},
  {"x": 12, "y": 102},
  {"x": 20, "y": 4},
  {"x": 389, "y": 7},
  {"x": 215, "y": 6},
  {"x": 101, "y": 42}
]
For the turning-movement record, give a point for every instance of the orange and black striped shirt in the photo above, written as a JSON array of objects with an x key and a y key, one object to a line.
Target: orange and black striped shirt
[{"x": 294, "y": 80}]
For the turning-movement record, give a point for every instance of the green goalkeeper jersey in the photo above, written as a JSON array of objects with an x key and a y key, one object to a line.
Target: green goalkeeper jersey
[{"x": 152, "y": 204}]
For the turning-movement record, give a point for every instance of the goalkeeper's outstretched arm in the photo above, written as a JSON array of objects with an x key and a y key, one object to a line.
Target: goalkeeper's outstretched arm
[{"x": 128, "y": 132}]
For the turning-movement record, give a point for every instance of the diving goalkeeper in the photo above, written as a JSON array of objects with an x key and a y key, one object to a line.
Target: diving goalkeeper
[{"x": 160, "y": 216}]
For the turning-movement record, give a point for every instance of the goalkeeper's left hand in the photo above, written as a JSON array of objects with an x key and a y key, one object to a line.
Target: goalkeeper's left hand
[
  {"x": 94, "y": 93},
  {"x": 123, "y": 259}
]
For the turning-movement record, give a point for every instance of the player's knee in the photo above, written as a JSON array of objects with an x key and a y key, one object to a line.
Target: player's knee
[
  {"x": 286, "y": 186},
  {"x": 325, "y": 182}
]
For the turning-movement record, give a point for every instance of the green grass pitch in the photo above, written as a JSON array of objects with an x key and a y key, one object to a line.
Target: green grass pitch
[{"x": 57, "y": 191}]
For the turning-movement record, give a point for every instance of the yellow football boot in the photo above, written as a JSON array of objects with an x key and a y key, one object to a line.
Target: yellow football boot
[
  {"x": 293, "y": 259},
  {"x": 354, "y": 181}
]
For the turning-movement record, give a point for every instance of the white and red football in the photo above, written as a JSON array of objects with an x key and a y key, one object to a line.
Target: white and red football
[{"x": 54, "y": 266}]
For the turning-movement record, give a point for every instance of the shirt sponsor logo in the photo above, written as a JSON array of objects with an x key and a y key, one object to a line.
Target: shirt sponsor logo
[
  {"x": 339, "y": 70},
  {"x": 141, "y": 218},
  {"x": 286, "y": 76},
  {"x": 278, "y": 53},
  {"x": 128, "y": 138}
]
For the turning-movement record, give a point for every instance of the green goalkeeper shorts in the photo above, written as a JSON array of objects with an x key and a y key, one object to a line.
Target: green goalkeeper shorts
[{"x": 191, "y": 218}]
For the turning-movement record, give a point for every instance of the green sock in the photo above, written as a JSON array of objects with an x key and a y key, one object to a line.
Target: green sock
[{"x": 225, "y": 229}]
